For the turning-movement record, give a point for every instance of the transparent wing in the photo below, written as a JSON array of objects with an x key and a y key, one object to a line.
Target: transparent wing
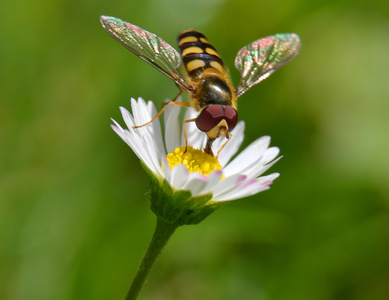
[
  {"x": 148, "y": 47},
  {"x": 261, "y": 58}
]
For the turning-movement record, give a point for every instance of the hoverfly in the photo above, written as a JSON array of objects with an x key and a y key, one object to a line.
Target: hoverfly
[{"x": 203, "y": 73}]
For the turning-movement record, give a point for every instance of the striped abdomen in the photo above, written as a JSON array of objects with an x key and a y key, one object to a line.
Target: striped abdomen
[
  {"x": 206, "y": 70},
  {"x": 198, "y": 54}
]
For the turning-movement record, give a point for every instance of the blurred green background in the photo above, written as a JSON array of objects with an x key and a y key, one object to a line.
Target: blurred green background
[{"x": 74, "y": 223}]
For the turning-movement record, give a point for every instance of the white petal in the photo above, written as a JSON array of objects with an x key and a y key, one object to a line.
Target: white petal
[
  {"x": 127, "y": 117},
  {"x": 172, "y": 127},
  {"x": 247, "y": 157},
  {"x": 151, "y": 150},
  {"x": 268, "y": 178},
  {"x": 166, "y": 169},
  {"x": 141, "y": 114},
  {"x": 196, "y": 138},
  {"x": 155, "y": 128},
  {"x": 136, "y": 145},
  {"x": 260, "y": 169},
  {"x": 179, "y": 176},
  {"x": 228, "y": 184},
  {"x": 154, "y": 155},
  {"x": 140, "y": 141},
  {"x": 126, "y": 135},
  {"x": 270, "y": 154},
  {"x": 233, "y": 144},
  {"x": 259, "y": 164},
  {"x": 195, "y": 183},
  {"x": 212, "y": 180},
  {"x": 249, "y": 187}
]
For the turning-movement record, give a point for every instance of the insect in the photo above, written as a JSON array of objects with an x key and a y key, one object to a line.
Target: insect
[{"x": 201, "y": 72}]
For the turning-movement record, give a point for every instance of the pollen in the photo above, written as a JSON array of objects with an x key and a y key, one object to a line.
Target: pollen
[{"x": 194, "y": 159}]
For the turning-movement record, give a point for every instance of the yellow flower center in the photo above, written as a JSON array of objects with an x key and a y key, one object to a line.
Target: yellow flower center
[{"x": 194, "y": 159}]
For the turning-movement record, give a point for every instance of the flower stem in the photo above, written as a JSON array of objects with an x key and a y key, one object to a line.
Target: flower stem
[{"x": 162, "y": 233}]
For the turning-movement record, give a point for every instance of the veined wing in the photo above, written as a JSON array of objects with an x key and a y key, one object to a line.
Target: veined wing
[
  {"x": 148, "y": 47},
  {"x": 261, "y": 58}
]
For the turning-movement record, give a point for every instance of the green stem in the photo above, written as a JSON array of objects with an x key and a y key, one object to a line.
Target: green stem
[{"x": 162, "y": 233}]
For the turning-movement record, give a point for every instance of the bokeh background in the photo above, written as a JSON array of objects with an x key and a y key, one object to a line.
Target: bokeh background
[{"x": 74, "y": 222}]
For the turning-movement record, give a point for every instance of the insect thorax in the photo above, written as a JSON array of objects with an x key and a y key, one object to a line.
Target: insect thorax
[
  {"x": 212, "y": 91},
  {"x": 206, "y": 71}
]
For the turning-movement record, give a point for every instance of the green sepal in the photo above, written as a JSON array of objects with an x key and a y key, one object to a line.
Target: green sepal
[
  {"x": 199, "y": 215},
  {"x": 175, "y": 206},
  {"x": 193, "y": 207},
  {"x": 178, "y": 206}
]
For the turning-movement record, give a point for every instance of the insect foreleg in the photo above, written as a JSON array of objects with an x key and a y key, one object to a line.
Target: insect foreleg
[
  {"x": 161, "y": 111},
  {"x": 185, "y": 136},
  {"x": 228, "y": 139}
]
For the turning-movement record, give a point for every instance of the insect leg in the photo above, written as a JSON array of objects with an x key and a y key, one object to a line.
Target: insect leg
[
  {"x": 161, "y": 111},
  {"x": 185, "y": 136},
  {"x": 228, "y": 139}
]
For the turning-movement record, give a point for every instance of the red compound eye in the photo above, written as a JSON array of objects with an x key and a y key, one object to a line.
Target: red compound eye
[
  {"x": 231, "y": 116},
  {"x": 211, "y": 115}
]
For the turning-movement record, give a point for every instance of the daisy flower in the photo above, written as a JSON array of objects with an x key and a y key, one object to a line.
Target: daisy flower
[{"x": 189, "y": 185}]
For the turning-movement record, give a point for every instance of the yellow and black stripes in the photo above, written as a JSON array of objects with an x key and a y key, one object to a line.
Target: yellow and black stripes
[{"x": 198, "y": 54}]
